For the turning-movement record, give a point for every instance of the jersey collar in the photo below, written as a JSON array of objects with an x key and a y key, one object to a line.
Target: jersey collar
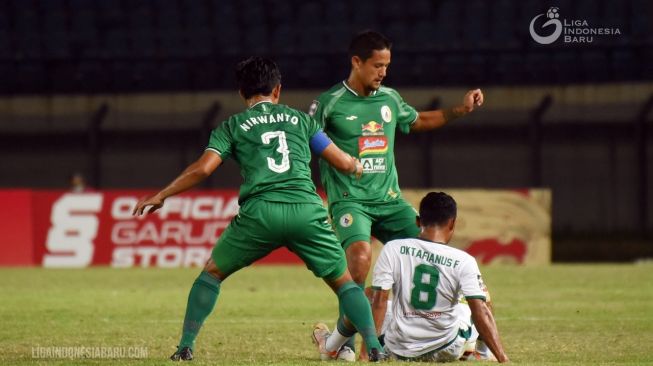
[
  {"x": 344, "y": 82},
  {"x": 430, "y": 241},
  {"x": 257, "y": 103}
]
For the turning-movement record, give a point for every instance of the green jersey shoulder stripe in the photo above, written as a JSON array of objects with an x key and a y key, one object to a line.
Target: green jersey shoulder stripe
[{"x": 395, "y": 96}]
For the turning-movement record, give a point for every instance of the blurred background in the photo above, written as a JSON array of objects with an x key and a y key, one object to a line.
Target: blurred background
[{"x": 124, "y": 93}]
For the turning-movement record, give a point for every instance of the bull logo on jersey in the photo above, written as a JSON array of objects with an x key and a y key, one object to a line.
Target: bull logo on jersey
[
  {"x": 372, "y": 145},
  {"x": 372, "y": 128},
  {"x": 346, "y": 220},
  {"x": 386, "y": 114}
]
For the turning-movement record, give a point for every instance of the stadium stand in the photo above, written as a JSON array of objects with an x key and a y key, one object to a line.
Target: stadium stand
[{"x": 488, "y": 41}]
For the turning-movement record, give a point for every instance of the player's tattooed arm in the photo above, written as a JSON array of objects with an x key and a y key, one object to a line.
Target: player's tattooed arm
[
  {"x": 434, "y": 119},
  {"x": 379, "y": 303},
  {"x": 487, "y": 328}
]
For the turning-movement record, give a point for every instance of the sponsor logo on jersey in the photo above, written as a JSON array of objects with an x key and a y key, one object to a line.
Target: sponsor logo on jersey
[
  {"x": 351, "y": 118},
  {"x": 386, "y": 114},
  {"x": 422, "y": 314},
  {"x": 372, "y": 145},
  {"x": 393, "y": 194},
  {"x": 346, "y": 220},
  {"x": 373, "y": 165},
  {"x": 372, "y": 128},
  {"x": 313, "y": 108}
]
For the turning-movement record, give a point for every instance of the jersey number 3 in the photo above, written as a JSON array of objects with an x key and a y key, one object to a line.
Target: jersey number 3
[
  {"x": 424, "y": 293},
  {"x": 283, "y": 150}
]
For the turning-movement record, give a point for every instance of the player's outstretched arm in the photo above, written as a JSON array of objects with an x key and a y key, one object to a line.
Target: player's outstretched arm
[
  {"x": 341, "y": 160},
  {"x": 434, "y": 119},
  {"x": 487, "y": 328},
  {"x": 191, "y": 176}
]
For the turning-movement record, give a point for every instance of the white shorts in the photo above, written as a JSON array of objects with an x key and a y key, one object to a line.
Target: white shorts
[{"x": 465, "y": 341}]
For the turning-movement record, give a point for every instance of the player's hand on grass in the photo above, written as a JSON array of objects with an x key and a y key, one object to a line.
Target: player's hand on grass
[
  {"x": 473, "y": 99},
  {"x": 154, "y": 203}
]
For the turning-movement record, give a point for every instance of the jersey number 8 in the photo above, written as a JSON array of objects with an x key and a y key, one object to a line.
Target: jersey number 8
[{"x": 424, "y": 293}]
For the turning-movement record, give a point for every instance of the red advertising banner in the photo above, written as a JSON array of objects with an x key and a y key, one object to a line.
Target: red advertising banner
[
  {"x": 62, "y": 229},
  {"x": 97, "y": 228},
  {"x": 16, "y": 241}
]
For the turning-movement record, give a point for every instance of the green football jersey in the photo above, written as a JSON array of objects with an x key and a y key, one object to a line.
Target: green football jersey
[
  {"x": 365, "y": 128},
  {"x": 270, "y": 142}
]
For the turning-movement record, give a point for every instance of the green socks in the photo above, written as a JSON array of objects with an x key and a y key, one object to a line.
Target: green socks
[
  {"x": 357, "y": 308},
  {"x": 351, "y": 342},
  {"x": 201, "y": 301}
]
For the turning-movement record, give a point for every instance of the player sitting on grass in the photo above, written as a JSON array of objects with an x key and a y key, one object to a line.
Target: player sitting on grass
[
  {"x": 278, "y": 202},
  {"x": 427, "y": 278}
]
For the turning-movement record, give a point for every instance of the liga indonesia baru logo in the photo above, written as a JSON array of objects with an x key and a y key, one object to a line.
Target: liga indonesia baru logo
[{"x": 572, "y": 30}]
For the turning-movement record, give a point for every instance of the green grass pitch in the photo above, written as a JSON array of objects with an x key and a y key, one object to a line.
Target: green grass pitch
[{"x": 562, "y": 314}]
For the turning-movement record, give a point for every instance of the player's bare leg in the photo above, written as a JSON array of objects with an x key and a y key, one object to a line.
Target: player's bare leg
[
  {"x": 201, "y": 301},
  {"x": 359, "y": 260}
]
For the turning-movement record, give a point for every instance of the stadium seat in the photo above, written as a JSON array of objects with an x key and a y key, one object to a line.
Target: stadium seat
[
  {"x": 447, "y": 20},
  {"x": 115, "y": 44},
  {"x": 195, "y": 14},
  {"x": 566, "y": 67},
  {"x": 337, "y": 13},
  {"x": 502, "y": 32},
  {"x": 6, "y": 47},
  {"x": 399, "y": 33},
  {"x": 94, "y": 76},
  {"x": 309, "y": 12},
  {"x": 474, "y": 32},
  {"x": 227, "y": 38},
  {"x": 278, "y": 12},
  {"x": 283, "y": 39},
  {"x": 143, "y": 43},
  {"x": 421, "y": 36},
  {"x": 174, "y": 75},
  {"x": 255, "y": 40},
  {"x": 32, "y": 75},
  {"x": 451, "y": 32},
  {"x": 199, "y": 41},
  {"x": 8, "y": 86},
  {"x": 595, "y": 66}
]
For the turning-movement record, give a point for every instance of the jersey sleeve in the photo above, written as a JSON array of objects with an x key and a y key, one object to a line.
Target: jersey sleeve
[
  {"x": 471, "y": 282},
  {"x": 407, "y": 114},
  {"x": 383, "y": 277},
  {"x": 313, "y": 126},
  {"x": 319, "y": 142},
  {"x": 316, "y": 110},
  {"x": 221, "y": 141}
]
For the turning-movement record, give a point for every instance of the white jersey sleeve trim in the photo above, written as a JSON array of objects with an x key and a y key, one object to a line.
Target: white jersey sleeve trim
[
  {"x": 213, "y": 150},
  {"x": 383, "y": 275}
]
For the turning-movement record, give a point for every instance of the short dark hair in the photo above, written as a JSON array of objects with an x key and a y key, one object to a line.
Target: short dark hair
[
  {"x": 437, "y": 208},
  {"x": 366, "y": 42},
  {"x": 257, "y": 75}
]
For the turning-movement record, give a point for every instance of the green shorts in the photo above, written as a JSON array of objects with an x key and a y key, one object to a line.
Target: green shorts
[
  {"x": 263, "y": 226},
  {"x": 355, "y": 221}
]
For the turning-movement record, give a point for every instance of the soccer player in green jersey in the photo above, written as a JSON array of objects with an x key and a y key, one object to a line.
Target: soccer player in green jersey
[
  {"x": 272, "y": 143},
  {"x": 361, "y": 116}
]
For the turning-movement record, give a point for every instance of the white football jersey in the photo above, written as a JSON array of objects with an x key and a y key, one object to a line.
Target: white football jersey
[{"x": 426, "y": 279}]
